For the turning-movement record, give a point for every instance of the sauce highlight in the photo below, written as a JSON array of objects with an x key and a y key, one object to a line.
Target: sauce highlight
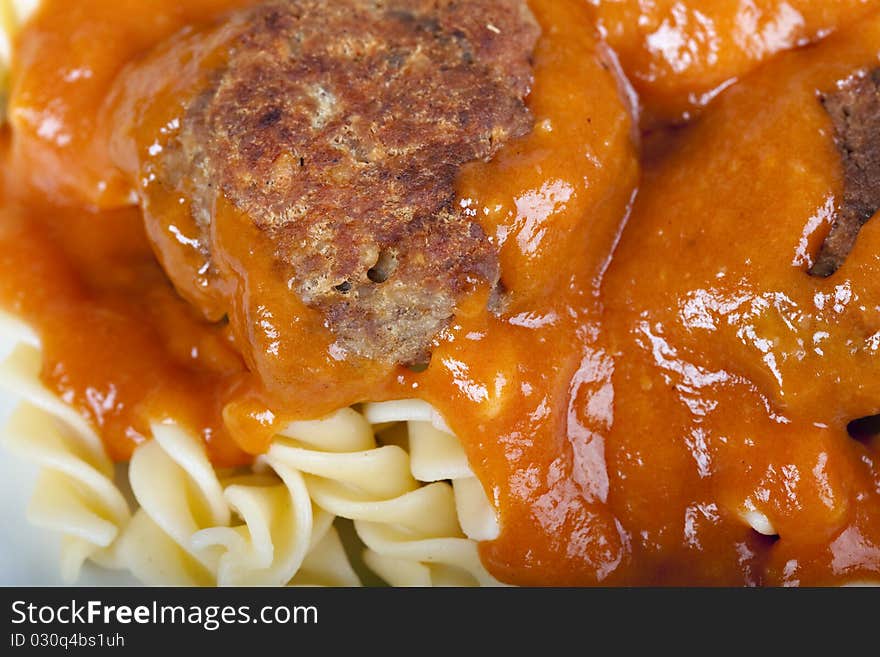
[
  {"x": 680, "y": 54},
  {"x": 622, "y": 415}
]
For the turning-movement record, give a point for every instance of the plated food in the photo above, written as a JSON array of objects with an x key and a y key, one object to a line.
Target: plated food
[{"x": 455, "y": 273}]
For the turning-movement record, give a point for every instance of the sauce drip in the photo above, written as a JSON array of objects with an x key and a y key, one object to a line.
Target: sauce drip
[{"x": 621, "y": 440}]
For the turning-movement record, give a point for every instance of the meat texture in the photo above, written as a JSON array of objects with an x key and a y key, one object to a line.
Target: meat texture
[
  {"x": 855, "y": 111},
  {"x": 339, "y": 128}
]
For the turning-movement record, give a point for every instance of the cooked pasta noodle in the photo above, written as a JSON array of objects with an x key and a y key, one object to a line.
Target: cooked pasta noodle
[
  {"x": 412, "y": 531},
  {"x": 245, "y": 529},
  {"x": 269, "y": 525},
  {"x": 418, "y": 515},
  {"x": 75, "y": 494}
]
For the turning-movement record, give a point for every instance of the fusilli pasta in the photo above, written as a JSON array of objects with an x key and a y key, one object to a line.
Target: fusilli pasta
[{"x": 394, "y": 469}]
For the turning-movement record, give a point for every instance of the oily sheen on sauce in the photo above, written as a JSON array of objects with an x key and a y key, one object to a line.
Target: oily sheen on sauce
[{"x": 620, "y": 438}]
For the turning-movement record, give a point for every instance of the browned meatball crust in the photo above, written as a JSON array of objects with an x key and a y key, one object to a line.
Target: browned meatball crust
[
  {"x": 339, "y": 128},
  {"x": 855, "y": 111}
]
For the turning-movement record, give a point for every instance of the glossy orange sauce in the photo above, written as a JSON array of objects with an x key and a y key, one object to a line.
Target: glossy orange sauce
[
  {"x": 752, "y": 367},
  {"x": 679, "y": 54},
  {"x": 622, "y": 413}
]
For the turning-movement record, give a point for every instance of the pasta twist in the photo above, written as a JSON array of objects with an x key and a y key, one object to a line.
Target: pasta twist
[
  {"x": 255, "y": 529},
  {"x": 186, "y": 530},
  {"x": 419, "y": 514},
  {"x": 75, "y": 493},
  {"x": 412, "y": 531},
  {"x": 268, "y": 525}
]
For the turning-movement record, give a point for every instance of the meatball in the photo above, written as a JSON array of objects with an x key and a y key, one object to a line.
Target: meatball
[
  {"x": 855, "y": 111},
  {"x": 339, "y": 128}
]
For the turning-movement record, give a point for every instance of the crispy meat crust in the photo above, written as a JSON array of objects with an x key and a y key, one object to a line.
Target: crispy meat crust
[
  {"x": 855, "y": 111},
  {"x": 339, "y": 128}
]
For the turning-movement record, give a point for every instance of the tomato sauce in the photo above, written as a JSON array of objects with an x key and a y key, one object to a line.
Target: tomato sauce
[
  {"x": 622, "y": 414},
  {"x": 746, "y": 368},
  {"x": 680, "y": 54}
]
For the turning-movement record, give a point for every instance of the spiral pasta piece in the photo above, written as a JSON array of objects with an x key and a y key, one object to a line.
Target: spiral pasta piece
[
  {"x": 415, "y": 503},
  {"x": 326, "y": 564},
  {"x": 403, "y": 508},
  {"x": 253, "y": 529},
  {"x": 75, "y": 493},
  {"x": 437, "y": 455},
  {"x": 191, "y": 527}
]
